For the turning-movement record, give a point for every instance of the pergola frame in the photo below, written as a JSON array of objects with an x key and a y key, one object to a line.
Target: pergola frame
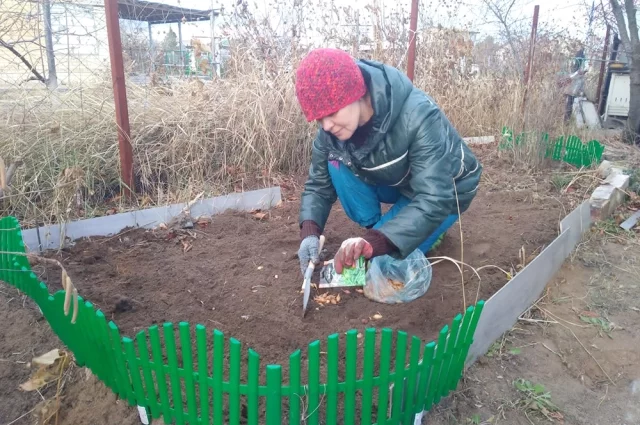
[{"x": 152, "y": 13}]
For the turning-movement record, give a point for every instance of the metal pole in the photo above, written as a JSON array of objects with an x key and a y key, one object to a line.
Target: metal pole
[
  {"x": 212, "y": 22},
  {"x": 615, "y": 45},
  {"x": 152, "y": 55},
  {"x": 599, "y": 96},
  {"x": 356, "y": 47},
  {"x": 120, "y": 95},
  {"x": 413, "y": 26},
  {"x": 180, "y": 46}
]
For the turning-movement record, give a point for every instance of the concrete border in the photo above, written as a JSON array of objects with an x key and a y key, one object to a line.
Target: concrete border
[
  {"x": 57, "y": 236},
  {"x": 502, "y": 310},
  {"x": 480, "y": 140}
]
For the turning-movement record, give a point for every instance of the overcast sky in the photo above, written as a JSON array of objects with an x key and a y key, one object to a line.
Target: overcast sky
[{"x": 570, "y": 17}]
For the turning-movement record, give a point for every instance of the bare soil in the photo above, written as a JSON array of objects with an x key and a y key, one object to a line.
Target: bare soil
[
  {"x": 589, "y": 370},
  {"x": 240, "y": 274}
]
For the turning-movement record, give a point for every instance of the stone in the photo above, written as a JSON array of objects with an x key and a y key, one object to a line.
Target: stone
[
  {"x": 610, "y": 195},
  {"x": 604, "y": 169},
  {"x": 482, "y": 140}
]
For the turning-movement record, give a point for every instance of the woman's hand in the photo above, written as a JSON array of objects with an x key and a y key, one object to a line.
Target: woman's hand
[
  {"x": 309, "y": 252},
  {"x": 350, "y": 251}
]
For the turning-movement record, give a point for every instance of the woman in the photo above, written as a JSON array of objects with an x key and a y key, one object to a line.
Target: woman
[
  {"x": 381, "y": 140},
  {"x": 574, "y": 84}
]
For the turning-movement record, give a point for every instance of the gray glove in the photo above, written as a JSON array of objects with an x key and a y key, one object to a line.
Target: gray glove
[{"x": 308, "y": 252}]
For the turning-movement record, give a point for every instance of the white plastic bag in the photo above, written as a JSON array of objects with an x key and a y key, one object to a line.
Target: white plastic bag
[{"x": 391, "y": 281}]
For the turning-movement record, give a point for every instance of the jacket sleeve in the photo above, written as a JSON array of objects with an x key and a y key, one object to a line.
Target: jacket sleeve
[
  {"x": 319, "y": 194},
  {"x": 433, "y": 168}
]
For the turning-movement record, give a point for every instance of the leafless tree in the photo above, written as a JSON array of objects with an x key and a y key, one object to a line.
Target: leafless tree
[
  {"x": 23, "y": 24},
  {"x": 628, "y": 33}
]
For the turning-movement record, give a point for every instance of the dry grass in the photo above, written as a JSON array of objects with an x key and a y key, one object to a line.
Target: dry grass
[{"x": 224, "y": 135}]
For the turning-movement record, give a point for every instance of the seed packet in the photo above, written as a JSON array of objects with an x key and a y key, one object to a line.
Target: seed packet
[{"x": 351, "y": 276}]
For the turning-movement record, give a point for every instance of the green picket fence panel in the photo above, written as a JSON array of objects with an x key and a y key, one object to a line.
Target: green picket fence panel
[
  {"x": 570, "y": 149},
  {"x": 191, "y": 385}
]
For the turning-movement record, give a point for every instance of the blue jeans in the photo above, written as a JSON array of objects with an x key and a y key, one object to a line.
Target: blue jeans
[{"x": 361, "y": 202}]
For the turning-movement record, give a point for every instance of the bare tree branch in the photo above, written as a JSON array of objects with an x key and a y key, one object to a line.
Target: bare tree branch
[
  {"x": 24, "y": 60},
  {"x": 33, "y": 40},
  {"x": 502, "y": 17},
  {"x": 5, "y": 177}
]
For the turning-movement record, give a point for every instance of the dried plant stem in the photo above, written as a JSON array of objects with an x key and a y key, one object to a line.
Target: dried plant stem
[
  {"x": 71, "y": 291},
  {"x": 17, "y": 419},
  {"x": 464, "y": 297},
  {"x": 579, "y": 342}
]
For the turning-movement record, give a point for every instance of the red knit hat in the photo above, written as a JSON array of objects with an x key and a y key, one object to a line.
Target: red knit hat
[{"x": 327, "y": 80}]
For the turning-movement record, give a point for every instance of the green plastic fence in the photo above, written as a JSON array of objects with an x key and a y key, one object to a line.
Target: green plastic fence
[
  {"x": 570, "y": 150},
  {"x": 381, "y": 377}
]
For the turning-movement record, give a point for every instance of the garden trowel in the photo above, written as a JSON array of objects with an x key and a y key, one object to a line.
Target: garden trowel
[{"x": 306, "y": 285}]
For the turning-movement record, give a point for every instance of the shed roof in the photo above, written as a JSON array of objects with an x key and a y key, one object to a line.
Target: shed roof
[{"x": 160, "y": 13}]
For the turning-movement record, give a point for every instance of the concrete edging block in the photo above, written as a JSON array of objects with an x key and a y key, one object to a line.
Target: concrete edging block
[
  {"x": 57, "y": 236},
  {"x": 504, "y": 307},
  {"x": 611, "y": 193},
  {"x": 480, "y": 140}
]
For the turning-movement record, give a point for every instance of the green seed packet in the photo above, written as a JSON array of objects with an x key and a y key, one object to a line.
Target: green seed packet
[{"x": 352, "y": 276}]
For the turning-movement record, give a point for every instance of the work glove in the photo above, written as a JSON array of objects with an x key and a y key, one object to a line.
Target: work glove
[
  {"x": 309, "y": 252},
  {"x": 350, "y": 251}
]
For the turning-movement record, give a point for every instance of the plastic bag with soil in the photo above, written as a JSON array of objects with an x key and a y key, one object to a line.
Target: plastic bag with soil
[{"x": 392, "y": 281}]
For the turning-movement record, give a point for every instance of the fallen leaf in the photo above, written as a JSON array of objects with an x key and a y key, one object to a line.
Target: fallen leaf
[
  {"x": 346, "y": 291},
  {"x": 39, "y": 379},
  {"x": 186, "y": 247},
  {"x": 50, "y": 366},
  {"x": 377, "y": 316},
  {"x": 338, "y": 298},
  {"x": 203, "y": 222},
  {"x": 146, "y": 200},
  {"x": 47, "y": 358},
  {"x": 360, "y": 291},
  {"x": 259, "y": 215},
  {"x": 111, "y": 211},
  {"x": 556, "y": 415}
]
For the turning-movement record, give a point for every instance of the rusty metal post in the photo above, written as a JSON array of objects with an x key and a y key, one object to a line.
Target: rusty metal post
[
  {"x": 120, "y": 95},
  {"x": 413, "y": 34},
  {"x": 603, "y": 65}
]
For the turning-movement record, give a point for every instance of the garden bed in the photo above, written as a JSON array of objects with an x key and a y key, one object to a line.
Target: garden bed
[{"x": 239, "y": 273}]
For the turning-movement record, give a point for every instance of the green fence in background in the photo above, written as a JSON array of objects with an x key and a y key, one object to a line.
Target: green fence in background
[
  {"x": 571, "y": 149},
  {"x": 380, "y": 376}
]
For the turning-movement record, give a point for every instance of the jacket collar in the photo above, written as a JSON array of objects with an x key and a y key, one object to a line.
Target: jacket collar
[{"x": 388, "y": 89}]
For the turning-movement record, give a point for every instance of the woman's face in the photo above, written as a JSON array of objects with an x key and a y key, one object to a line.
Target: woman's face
[{"x": 343, "y": 123}]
